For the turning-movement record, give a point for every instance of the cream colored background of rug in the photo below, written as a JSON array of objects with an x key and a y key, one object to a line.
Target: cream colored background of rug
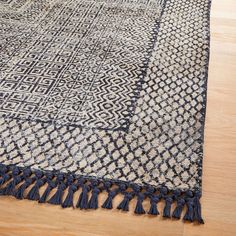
[{"x": 26, "y": 218}]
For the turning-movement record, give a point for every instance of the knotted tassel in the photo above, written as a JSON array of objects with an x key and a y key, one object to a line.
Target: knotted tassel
[
  {"x": 10, "y": 188},
  {"x": 163, "y": 192},
  {"x": 197, "y": 208},
  {"x": 176, "y": 194},
  {"x": 139, "y": 206},
  {"x": 3, "y": 170},
  {"x": 51, "y": 185},
  {"x": 189, "y": 202},
  {"x": 19, "y": 193},
  {"x": 93, "y": 202},
  {"x": 153, "y": 208},
  {"x": 108, "y": 203},
  {"x": 167, "y": 208},
  {"x": 107, "y": 186},
  {"x": 4, "y": 179},
  {"x": 69, "y": 198},
  {"x": 34, "y": 192},
  {"x": 168, "y": 202},
  {"x": 180, "y": 204},
  {"x": 56, "y": 199},
  {"x": 124, "y": 205},
  {"x": 83, "y": 198},
  {"x": 3, "y": 173},
  {"x": 154, "y": 199},
  {"x": 179, "y": 208}
]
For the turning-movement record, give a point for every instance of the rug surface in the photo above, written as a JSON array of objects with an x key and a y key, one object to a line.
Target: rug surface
[{"x": 104, "y": 95}]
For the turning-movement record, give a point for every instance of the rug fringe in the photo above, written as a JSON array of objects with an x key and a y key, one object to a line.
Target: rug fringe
[{"x": 16, "y": 180}]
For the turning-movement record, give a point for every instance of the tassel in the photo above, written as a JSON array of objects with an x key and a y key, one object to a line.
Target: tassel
[
  {"x": 176, "y": 194},
  {"x": 150, "y": 191},
  {"x": 163, "y": 192},
  {"x": 179, "y": 208},
  {"x": 107, "y": 186},
  {"x": 4, "y": 179},
  {"x": 189, "y": 213},
  {"x": 197, "y": 208},
  {"x": 139, "y": 206},
  {"x": 69, "y": 198},
  {"x": 10, "y": 188},
  {"x": 51, "y": 185},
  {"x": 108, "y": 203},
  {"x": 56, "y": 199},
  {"x": 93, "y": 202},
  {"x": 124, "y": 205},
  {"x": 83, "y": 198},
  {"x": 3, "y": 170},
  {"x": 19, "y": 193},
  {"x": 122, "y": 188},
  {"x": 153, "y": 209},
  {"x": 189, "y": 202},
  {"x": 34, "y": 192},
  {"x": 3, "y": 173},
  {"x": 167, "y": 208}
]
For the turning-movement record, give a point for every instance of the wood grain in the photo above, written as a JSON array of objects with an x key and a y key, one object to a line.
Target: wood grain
[{"x": 26, "y": 218}]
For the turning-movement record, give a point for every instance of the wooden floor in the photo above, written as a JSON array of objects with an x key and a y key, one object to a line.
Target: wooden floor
[{"x": 26, "y": 218}]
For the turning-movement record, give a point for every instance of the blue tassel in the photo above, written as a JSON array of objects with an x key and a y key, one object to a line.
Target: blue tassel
[
  {"x": 3, "y": 170},
  {"x": 56, "y": 199},
  {"x": 34, "y": 192},
  {"x": 150, "y": 191},
  {"x": 107, "y": 185},
  {"x": 136, "y": 188},
  {"x": 10, "y": 188},
  {"x": 3, "y": 173},
  {"x": 153, "y": 209},
  {"x": 108, "y": 203},
  {"x": 69, "y": 198},
  {"x": 83, "y": 198},
  {"x": 189, "y": 202},
  {"x": 179, "y": 208},
  {"x": 19, "y": 194},
  {"x": 163, "y": 192},
  {"x": 124, "y": 205},
  {"x": 189, "y": 213},
  {"x": 4, "y": 179},
  {"x": 93, "y": 202},
  {"x": 139, "y": 206},
  {"x": 197, "y": 208},
  {"x": 51, "y": 185},
  {"x": 122, "y": 188},
  {"x": 167, "y": 208}
]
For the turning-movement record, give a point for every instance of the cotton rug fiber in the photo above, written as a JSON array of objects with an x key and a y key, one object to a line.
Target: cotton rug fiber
[{"x": 104, "y": 96}]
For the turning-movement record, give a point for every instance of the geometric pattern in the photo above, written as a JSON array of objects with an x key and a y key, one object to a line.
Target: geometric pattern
[
  {"x": 163, "y": 142},
  {"x": 85, "y": 67}
]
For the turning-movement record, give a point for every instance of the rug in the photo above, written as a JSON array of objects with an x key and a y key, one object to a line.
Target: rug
[{"x": 104, "y": 96}]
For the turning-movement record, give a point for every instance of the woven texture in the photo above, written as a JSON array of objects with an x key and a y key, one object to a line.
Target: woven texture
[{"x": 105, "y": 89}]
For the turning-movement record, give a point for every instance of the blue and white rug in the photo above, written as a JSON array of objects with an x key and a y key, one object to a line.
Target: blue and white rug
[{"x": 104, "y": 96}]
